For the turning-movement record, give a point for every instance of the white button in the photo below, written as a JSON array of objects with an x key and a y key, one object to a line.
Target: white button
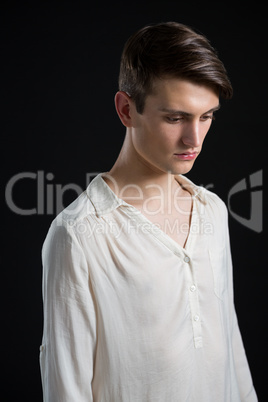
[
  {"x": 196, "y": 317},
  {"x": 198, "y": 342},
  {"x": 192, "y": 288},
  {"x": 186, "y": 259}
]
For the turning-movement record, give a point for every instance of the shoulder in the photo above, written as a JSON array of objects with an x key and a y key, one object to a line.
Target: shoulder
[
  {"x": 78, "y": 210},
  {"x": 213, "y": 201},
  {"x": 209, "y": 201},
  {"x": 82, "y": 215},
  {"x": 61, "y": 230},
  {"x": 212, "y": 214}
]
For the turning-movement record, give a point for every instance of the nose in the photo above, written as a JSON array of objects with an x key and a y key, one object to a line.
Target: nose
[{"x": 192, "y": 134}]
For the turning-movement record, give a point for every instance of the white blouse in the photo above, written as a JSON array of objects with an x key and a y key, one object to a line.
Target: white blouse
[{"x": 130, "y": 316}]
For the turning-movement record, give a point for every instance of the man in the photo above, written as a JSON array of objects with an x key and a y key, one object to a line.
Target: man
[{"x": 137, "y": 286}]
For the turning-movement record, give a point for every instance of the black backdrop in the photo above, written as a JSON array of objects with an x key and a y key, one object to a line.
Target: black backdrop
[{"x": 60, "y": 64}]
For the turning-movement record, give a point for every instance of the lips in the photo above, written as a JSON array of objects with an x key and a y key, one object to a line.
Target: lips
[{"x": 186, "y": 155}]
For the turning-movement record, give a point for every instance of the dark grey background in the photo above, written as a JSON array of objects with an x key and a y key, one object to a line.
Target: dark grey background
[{"x": 60, "y": 65}]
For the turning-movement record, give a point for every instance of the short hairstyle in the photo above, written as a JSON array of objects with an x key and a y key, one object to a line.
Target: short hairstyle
[{"x": 172, "y": 50}]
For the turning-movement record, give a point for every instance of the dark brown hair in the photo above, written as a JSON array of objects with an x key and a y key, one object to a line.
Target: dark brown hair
[{"x": 169, "y": 49}]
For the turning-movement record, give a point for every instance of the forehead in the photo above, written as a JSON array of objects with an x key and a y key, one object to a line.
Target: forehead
[{"x": 179, "y": 94}]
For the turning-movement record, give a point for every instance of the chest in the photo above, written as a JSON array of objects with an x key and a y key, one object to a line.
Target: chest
[{"x": 175, "y": 221}]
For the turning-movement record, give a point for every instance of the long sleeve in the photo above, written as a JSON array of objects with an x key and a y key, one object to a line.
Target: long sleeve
[
  {"x": 69, "y": 335},
  {"x": 242, "y": 372},
  {"x": 246, "y": 389}
]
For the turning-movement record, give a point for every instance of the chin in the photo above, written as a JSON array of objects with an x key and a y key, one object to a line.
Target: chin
[{"x": 183, "y": 169}]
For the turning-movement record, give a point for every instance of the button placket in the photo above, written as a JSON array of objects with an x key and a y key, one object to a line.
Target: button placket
[{"x": 194, "y": 303}]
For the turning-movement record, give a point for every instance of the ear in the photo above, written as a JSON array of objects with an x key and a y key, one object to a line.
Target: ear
[{"x": 123, "y": 105}]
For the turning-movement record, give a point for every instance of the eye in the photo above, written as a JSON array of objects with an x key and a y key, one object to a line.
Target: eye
[
  {"x": 207, "y": 117},
  {"x": 174, "y": 119}
]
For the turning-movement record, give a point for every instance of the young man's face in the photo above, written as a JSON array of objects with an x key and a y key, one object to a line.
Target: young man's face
[{"x": 169, "y": 134}]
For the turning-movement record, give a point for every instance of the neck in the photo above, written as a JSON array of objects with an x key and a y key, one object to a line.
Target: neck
[{"x": 131, "y": 176}]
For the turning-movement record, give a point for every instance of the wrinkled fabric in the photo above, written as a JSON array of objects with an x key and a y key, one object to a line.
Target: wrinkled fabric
[{"x": 130, "y": 316}]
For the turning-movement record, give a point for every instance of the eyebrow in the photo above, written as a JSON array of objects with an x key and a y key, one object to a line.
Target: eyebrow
[{"x": 181, "y": 112}]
